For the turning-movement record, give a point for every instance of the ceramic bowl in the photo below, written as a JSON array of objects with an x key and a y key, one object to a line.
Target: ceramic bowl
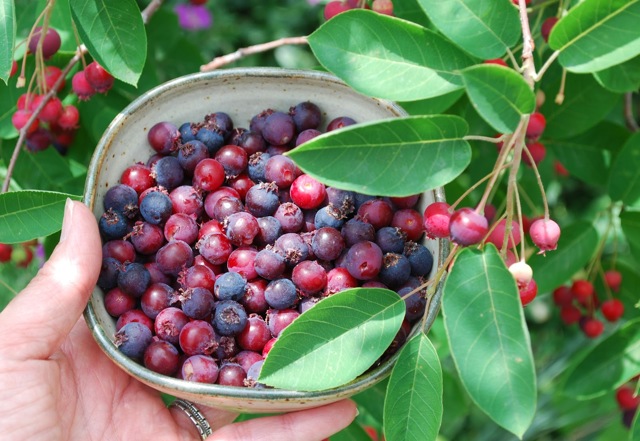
[{"x": 241, "y": 93}]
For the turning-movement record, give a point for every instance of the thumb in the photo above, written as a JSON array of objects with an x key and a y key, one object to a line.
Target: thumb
[{"x": 39, "y": 318}]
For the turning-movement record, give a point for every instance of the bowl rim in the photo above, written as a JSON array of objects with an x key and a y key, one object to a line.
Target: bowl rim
[{"x": 164, "y": 383}]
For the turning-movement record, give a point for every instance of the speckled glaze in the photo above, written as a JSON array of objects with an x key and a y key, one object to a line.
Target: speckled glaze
[{"x": 241, "y": 93}]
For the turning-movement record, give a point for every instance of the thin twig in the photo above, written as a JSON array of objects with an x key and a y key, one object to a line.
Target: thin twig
[
  {"x": 250, "y": 50},
  {"x": 82, "y": 49},
  {"x": 528, "y": 67},
  {"x": 629, "y": 118}
]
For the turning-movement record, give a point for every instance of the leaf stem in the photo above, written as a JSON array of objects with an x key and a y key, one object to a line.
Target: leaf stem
[
  {"x": 250, "y": 50},
  {"x": 546, "y": 65}
]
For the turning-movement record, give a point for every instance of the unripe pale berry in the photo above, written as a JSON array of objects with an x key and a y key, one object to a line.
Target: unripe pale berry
[
  {"x": 521, "y": 272},
  {"x": 545, "y": 235}
]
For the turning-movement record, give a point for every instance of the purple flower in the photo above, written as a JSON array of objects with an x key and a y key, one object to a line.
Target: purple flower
[{"x": 193, "y": 17}]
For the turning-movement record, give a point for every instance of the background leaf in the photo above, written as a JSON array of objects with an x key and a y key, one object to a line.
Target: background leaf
[
  {"x": 353, "y": 432},
  {"x": 610, "y": 364},
  {"x": 44, "y": 170},
  {"x": 488, "y": 338},
  {"x": 413, "y": 406},
  {"x": 576, "y": 246},
  {"x": 335, "y": 341},
  {"x": 630, "y": 223},
  {"x": 396, "y": 157},
  {"x": 624, "y": 181},
  {"x": 597, "y": 34},
  {"x": 114, "y": 34},
  {"x": 28, "y": 214},
  {"x": 586, "y": 103},
  {"x": 500, "y": 95},
  {"x": 7, "y": 36},
  {"x": 387, "y": 57},
  {"x": 621, "y": 78},
  {"x": 485, "y": 29}
]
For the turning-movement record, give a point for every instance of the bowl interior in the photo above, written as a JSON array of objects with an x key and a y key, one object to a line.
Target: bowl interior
[{"x": 242, "y": 93}]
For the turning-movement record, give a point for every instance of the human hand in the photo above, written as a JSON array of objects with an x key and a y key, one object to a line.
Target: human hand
[{"x": 55, "y": 382}]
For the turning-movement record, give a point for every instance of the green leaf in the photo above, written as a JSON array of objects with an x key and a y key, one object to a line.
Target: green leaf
[
  {"x": 45, "y": 170},
  {"x": 630, "y": 223},
  {"x": 387, "y": 57},
  {"x": 8, "y": 97},
  {"x": 634, "y": 432},
  {"x": 114, "y": 34},
  {"x": 585, "y": 104},
  {"x": 335, "y": 341},
  {"x": 7, "y": 36},
  {"x": 396, "y": 157},
  {"x": 371, "y": 400},
  {"x": 413, "y": 406},
  {"x": 485, "y": 29},
  {"x": 432, "y": 106},
  {"x": 624, "y": 181},
  {"x": 621, "y": 78},
  {"x": 29, "y": 214},
  {"x": 500, "y": 95},
  {"x": 576, "y": 246},
  {"x": 610, "y": 364},
  {"x": 597, "y": 34},
  {"x": 489, "y": 339},
  {"x": 353, "y": 432}
]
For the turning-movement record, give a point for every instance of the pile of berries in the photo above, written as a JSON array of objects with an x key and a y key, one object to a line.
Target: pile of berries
[
  {"x": 579, "y": 302},
  {"x": 219, "y": 242},
  {"x": 628, "y": 400},
  {"x": 55, "y": 124},
  {"x": 335, "y": 7}
]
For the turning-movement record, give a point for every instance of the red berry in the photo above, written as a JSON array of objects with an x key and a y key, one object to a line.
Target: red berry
[
  {"x": 560, "y": 169},
  {"x": 515, "y": 2},
  {"x": 334, "y": 8},
  {"x": 528, "y": 292},
  {"x": 498, "y": 61},
  {"x": 51, "y": 75},
  {"x": 81, "y": 86},
  {"x": 69, "y": 117},
  {"x": 20, "y": 119},
  {"x": 14, "y": 68},
  {"x": 537, "y": 150},
  {"x": 536, "y": 126},
  {"x": 382, "y": 7},
  {"x": 198, "y": 2},
  {"x": 546, "y": 27},
  {"x": 562, "y": 296},
  {"x": 545, "y": 235},
  {"x": 436, "y": 220},
  {"x": 39, "y": 140},
  {"x": 24, "y": 101},
  {"x": 490, "y": 212},
  {"x": 50, "y": 45},
  {"x": 570, "y": 315},
  {"x": 496, "y": 236},
  {"x": 582, "y": 290},
  {"x": 5, "y": 252},
  {"x": 467, "y": 227},
  {"x": 613, "y": 279},
  {"x": 98, "y": 77},
  {"x": 592, "y": 327},
  {"x": 612, "y": 309},
  {"x": 51, "y": 110},
  {"x": 626, "y": 398}
]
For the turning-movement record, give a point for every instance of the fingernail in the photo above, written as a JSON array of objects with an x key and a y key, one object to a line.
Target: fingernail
[{"x": 66, "y": 221}]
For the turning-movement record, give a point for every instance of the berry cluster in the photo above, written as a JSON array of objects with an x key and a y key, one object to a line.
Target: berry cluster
[
  {"x": 628, "y": 400},
  {"x": 335, "y": 7},
  {"x": 56, "y": 123},
  {"x": 219, "y": 242},
  {"x": 22, "y": 254},
  {"x": 579, "y": 302}
]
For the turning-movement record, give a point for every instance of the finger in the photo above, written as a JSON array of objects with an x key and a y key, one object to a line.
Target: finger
[
  {"x": 40, "y": 317},
  {"x": 305, "y": 425}
]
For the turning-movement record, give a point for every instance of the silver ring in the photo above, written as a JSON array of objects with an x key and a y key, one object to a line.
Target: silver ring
[{"x": 196, "y": 417}]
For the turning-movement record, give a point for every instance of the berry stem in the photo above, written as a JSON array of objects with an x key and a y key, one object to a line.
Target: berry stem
[
  {"x": 484, "y": 138},
  {"x": 560, "y": 95},
  {"x": 543, "y": 194},
  {"x": 474, "y": 186},
  {"x": 250, "y": 50},
  {"x": 151, "y": 8},
  {"x": 546, "y": 65},
  {"x": 21, "y": 79},
  {"x": 521, "y": 225}
]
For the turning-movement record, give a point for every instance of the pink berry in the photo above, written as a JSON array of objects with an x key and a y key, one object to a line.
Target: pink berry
[
  {"x": 307, "y": 193},
  {"x": 537, "y": 124},
  {"x": 467, "y": 227},
  {"x": 538, "y": 152},
  {"x": 498, "y": 61},
  {"x": 496, "y": 236},
  {"x": 51, "y": 110},
  {"x": 51, "y": 75},
  {"x": 14, "y": 68},
  {"x": 545, "y": 235},
  {"x": 98, "y": 77},
  {"x": 69, "y": 117},
  {"x": 81, "y": 86},
  {"x": 436, "y": 220},
  {"x": 382, "y": 7},
  {"x": 547, "y": 26},
  {"x": 612, "y": 309},
  {"x": 20, "y": 119},
  {"x": 50, "y": 45},
  {"x": 613, "y": 279},
  {"x": 334, "y": 8}
]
